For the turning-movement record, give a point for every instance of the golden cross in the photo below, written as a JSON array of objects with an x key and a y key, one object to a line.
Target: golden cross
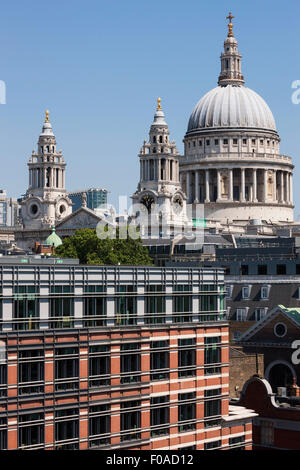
[
  {"x": 47, "y": 116},
  {"x": 158, "y": 104},
  {"x": 230, "y": 17}
]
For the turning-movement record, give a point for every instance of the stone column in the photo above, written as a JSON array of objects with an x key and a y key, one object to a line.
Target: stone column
[
  {"x": 281, "y": 187},
  {"x": 265, "y": 185},
  {"x": 218, "y": 185},
  {"x": 242, "y": 196},
  {"x": 207, "y": 197},
  {"x": 274, "y": 186},
  {"x": 159, "y": 170},
  {"x": 254, "y": 185},
  {"x": 291, "y": 188},
  {"x": 196, "y": 186},
  {"x": 286, "y": 186},
  {"x": 188, "y": 186},
  {"x": 230, "y": 185}
]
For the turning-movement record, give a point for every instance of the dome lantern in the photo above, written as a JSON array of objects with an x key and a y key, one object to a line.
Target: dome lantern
[{"x": 231, "y": 60}]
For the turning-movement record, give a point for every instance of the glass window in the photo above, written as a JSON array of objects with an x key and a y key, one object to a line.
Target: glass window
[
  {"x": 155, "y": 303},
  {"x": 62, "y": 307},
  {"x": 30, "y": 371},
  {"x": 186, "y": 411},
  {"x": 187, "y": 357},
  {"x": 182, "y": 303},
  {"x": 209, "y": 302},
  {"x": 26, "y": 308},
  {"x": 159, "y": 415},
  {"x": 94, "y": 306},
  {"x": 241, "y": 314},
  {"x": 130, "y": 420},
  {"x": 212, "y": 354},
  {"x": 126, "y": 305},
  {"x": 130, "y": 363},
  {"x": 159, "y": 360},
  {"x": 99, "y": 425},
  {"x": 99, "y": 366},
  {"x": 31, "y": 429},
  {"x": 66, "y": 424}
]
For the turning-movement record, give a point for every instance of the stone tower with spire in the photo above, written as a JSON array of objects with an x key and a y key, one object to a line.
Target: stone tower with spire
[
  {"x": 46, "y": 201},
  {"x": 159, "y": 190}
]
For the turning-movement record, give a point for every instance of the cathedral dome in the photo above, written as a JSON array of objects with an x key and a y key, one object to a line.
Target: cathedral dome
[{"x": 231, "y": 106}]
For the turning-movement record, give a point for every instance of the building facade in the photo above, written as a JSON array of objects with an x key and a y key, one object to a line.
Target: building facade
[
  {"x": 8, "y": 210},
  {"x": 277, "y": 426},
  {"x": 115, "y": 358},
  {"x": 232, "y": 162}
]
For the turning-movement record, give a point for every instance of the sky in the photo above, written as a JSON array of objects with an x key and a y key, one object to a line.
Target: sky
[{"x": 99, "y": 66}]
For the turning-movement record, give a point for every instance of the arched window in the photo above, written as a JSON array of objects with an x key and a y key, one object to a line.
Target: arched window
[
  {"x": 47, "y": 148},
  {"x": 160, "y": 139},
  {"x": 154, "y": 150},
  {"x": 154, "y": 139}
]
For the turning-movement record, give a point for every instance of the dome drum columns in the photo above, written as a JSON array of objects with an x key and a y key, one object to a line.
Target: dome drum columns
[{"x": 238, "y": 184}]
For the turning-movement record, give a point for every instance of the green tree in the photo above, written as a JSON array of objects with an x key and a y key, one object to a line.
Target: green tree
[{"x": 86, "y": 246}]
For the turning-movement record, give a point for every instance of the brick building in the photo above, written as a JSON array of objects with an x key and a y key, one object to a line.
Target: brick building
[
  {"x": 277, "y": 426},
  {"x": 242, "y": 366},
  {"x": 110, "y": 358}
]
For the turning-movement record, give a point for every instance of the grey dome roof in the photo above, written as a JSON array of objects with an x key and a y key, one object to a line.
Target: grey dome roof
[{"x": 231, "y": 106}]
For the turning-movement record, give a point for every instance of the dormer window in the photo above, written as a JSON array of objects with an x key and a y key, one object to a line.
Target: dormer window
[
  {"x": 228, "y": 291},
  {"x": 246, "y": 292},
  {"x": 264, "y": 293},
  {"x": 241, "y": 314},
  {"x": 260, "y": 313}
]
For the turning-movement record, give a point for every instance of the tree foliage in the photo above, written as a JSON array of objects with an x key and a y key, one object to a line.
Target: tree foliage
[{"x": 86, "y": 246}]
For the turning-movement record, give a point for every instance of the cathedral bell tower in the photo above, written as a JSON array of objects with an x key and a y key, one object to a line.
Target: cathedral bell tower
[
  {"x": 159, "y": 189},
  {"x": 46, "y": 201}
]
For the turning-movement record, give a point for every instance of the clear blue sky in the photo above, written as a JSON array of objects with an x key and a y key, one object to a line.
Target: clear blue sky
[{"x": 99, "y": 65}]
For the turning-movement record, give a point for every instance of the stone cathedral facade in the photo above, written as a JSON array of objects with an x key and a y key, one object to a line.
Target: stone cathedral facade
[
  {"x": 232, "y": 163},
  {"x": 46, "y": 201}
]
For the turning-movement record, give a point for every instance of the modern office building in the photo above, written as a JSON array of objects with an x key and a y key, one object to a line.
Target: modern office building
[
  {"x": 112, "y": 357},
  {"x": 8, "y": 210},
  {"x": 95, "y": 197}
]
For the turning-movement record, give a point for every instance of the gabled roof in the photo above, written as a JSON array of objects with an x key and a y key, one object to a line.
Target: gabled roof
[
  {"x": 292, "y": 314},
  {"x": 82, "y": 218}
]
